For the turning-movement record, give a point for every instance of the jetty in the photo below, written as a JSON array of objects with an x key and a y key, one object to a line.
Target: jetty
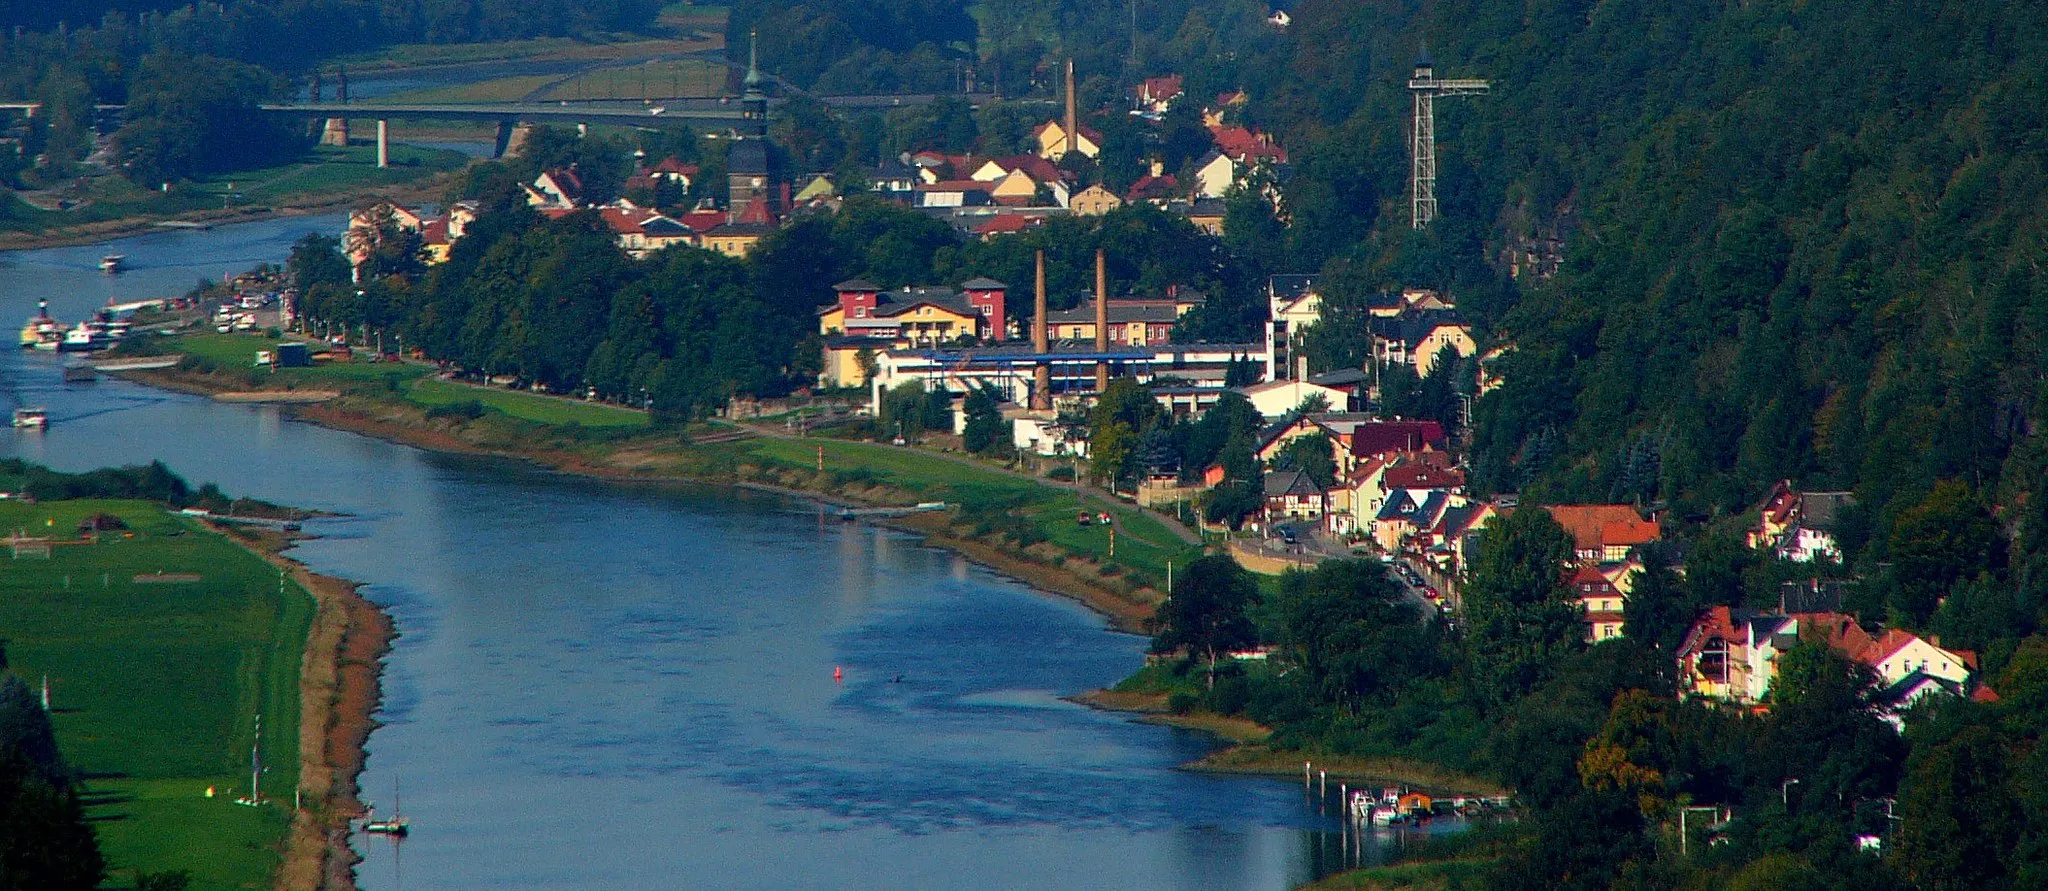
[
  {"x": 143, "y": 364},
  {"x": 849, "y": 514},
  {"x": 266, "y": 522}
]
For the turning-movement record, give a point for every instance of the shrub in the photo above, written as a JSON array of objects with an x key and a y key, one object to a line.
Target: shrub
[
  {"x": 1183, "y": 702},
  {"x": 1064, "y": 473},
  {"x": 468, "y": 410}
]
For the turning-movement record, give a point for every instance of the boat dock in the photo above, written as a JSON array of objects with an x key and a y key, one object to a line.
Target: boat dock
[{"x": 143, "y": 364}]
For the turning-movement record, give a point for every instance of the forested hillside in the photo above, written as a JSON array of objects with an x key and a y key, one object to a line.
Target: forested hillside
[{"x": 1801, "y": 240}]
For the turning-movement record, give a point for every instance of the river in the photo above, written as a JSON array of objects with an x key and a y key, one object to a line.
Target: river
[{"x": 600, "y": 686}]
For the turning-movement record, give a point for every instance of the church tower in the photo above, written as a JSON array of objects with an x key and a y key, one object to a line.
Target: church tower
[{"x": 749, "y": 185}]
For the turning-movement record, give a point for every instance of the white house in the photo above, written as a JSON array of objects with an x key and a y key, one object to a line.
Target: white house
[{"x": 1274, "y": 399}]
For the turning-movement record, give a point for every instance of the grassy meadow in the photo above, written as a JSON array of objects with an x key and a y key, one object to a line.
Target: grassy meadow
[{"x": 156, "y": 685}]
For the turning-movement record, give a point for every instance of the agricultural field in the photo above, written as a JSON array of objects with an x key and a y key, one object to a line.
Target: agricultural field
[{"x": 162, "y": 642}]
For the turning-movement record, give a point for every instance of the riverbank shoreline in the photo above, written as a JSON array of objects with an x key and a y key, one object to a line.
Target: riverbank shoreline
[
  {"x": 339, "y": 692},
  {"x": 129, "y": 227}
]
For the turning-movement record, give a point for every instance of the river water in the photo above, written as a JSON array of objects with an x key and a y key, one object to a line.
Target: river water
[{"x": 600, "y": 686}]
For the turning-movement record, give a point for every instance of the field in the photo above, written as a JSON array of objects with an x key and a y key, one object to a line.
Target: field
[
  {"x": 155, "y": 687},
  {"x": 235, "y": 354},
  {"x": 1144, "y": 544},
  {"x": 533, "y": 407}
]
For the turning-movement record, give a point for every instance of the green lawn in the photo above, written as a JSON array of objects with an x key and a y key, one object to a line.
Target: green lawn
[
  {"x": 236, "y": 354},
  {"x": 541, "y": 409},
  {"x": 1145, "y": 544},
  {"x": 155, "y": 687}
]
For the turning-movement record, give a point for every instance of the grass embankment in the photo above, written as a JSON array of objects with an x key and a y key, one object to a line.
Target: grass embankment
[
  {"x": 1441, "y": 875},
  {"x": 1021, "y": 526},
  {"x": 326, "y": 176},
  {"x": 162, "y": 645}
]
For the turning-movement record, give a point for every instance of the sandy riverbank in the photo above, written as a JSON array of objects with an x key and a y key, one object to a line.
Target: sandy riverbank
[{"x": 338, "y": 697}]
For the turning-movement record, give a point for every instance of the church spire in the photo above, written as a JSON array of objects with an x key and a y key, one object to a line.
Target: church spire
[{"x": 753, "y": 81}]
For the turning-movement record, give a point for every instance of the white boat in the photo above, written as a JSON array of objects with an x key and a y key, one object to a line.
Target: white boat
[
  {"x": 396, "y": 826},
  {"x": 112, "y": 262},
  {"x": 31, "y": 418}
]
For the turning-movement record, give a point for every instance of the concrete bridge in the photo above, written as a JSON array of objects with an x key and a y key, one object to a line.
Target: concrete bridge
[{"x": 713, "y": 113}]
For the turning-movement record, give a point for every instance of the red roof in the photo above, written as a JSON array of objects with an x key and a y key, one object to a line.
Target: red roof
[
  {"x": 703, "y": 220},
  {"x": 671, "y": 165},
  {"x": 1149, "y": 186},
  {"x": 1156, "y": 89},
  {"x": 1243, "y": 145},
  {"x": 1380, "y": 437},
  {"x": 1600, "y": 526},
  {"x": 1983, "y": 694},
  {"x": 1037, "y": 168},
  {"x": 757, "y": 214},
  {"x": 1003, "y": 224},
  {"x": 1421, "y": 476},
  {"x": 434, "y": 230}
]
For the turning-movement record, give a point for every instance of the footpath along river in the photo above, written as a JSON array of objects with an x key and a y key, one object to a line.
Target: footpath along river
[{"x": 600, "y": 686}]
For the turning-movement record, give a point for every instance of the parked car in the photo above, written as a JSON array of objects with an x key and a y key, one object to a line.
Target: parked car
[{"x": 1084, "y": 518}]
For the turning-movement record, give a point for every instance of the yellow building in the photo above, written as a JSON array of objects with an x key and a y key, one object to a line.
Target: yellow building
[
  {"x": 1095, "y": 201},
  {"x": 735, "y": 239},
  {"x": 1051, "y": 138}
]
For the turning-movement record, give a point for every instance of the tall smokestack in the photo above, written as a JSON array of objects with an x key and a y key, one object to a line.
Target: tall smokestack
[
  {"x": 1041, "y": 374},
  {"x": 1073, "y": 133},
  {"x": 1101, "y": 322}
]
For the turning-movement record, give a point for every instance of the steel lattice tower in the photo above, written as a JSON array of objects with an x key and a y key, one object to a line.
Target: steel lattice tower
[{"x": 1422, "y": 179}]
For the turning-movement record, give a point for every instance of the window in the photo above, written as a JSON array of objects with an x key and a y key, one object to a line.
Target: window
[{"x": 860, "y": 312}]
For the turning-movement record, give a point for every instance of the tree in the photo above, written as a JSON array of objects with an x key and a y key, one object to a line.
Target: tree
[
  {"x": 1944, "y": 538},
  {"x": 1959, "y": 823},
  {"x": 1355, "y": 636},
  {"x": 1519, "y": 612},
  {"x": 1657, "y": 612},
  {"x": 1205, "y": 613},
  {"x": 1312, "y": 455},
  {"x": 986, "y": 432},
  {"x": 316, "y": 260},
  {"x": 1112, "y": 452}
]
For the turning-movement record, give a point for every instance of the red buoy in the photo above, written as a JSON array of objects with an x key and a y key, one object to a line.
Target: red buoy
[{"x": 838, "y": 673}]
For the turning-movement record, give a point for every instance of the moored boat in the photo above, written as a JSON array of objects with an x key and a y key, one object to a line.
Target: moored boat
[
  {"x": 112, "y": 262},
  {"x": 42, "y": 332},
  {"x": 31, "y": 418}
]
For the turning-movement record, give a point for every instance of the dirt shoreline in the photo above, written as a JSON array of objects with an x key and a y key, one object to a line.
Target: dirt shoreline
[{"x": 339, "y": 692}]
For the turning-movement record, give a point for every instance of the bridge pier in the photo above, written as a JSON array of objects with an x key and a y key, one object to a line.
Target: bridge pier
[
  {"x": 516, "y": 140},
  {"x": 504, "y": 139},
  {"x": 335, "y": 133},
  {"x": 383, "y": 145}
]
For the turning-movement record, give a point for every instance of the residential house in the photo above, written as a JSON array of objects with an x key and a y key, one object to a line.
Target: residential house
[
  {"x": 1418, "y": 339},
  {"x": 1604, "y": 533},
  {"x": 1800, "y": 526},
  {"x": 556, "y": 189},
  {"x": 819, "y": 188},
  {"x": 1732, "y": 654},
  {"x": 1215, "y": 173},
  {"x": 1206, "y": 214},
  {"x": 1352, "y": 381},
  {"x": 1156, "y": 188},
  {"x": 1897, "y": 655},
  {"x": 1094, "y": 201},
  {"x": 1156, "y": 94},
  {"x": 927, "y": 316},
  {"x": 734, "y": 239},
  {"x": 1212, "y": 116},
  {"x": 1052, "y": 141},
  {"x": 844, "y": 366},
  {"x": 1403, "y": 516},
  {"x": 1293, "y": 495},
  {"x": 955, "y": 193},
  {"x": 642, "y": 232},
  {"x": 894, "y": 178},
  {"x": 674, "y": 171},
  {"x": 1601, "y": 601},
  {"x": 1274, "y": 399},
  {"x": 1292, "y": 303},
  {"x": 1247, "y": 148},
  {"x": 1005, "y": 224}
]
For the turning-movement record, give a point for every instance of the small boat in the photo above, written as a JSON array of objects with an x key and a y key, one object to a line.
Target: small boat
[
  {"x": 31, "y": 418},
  {"x": 396, "y": 826},
  {"x": 111, "y": 263}
]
